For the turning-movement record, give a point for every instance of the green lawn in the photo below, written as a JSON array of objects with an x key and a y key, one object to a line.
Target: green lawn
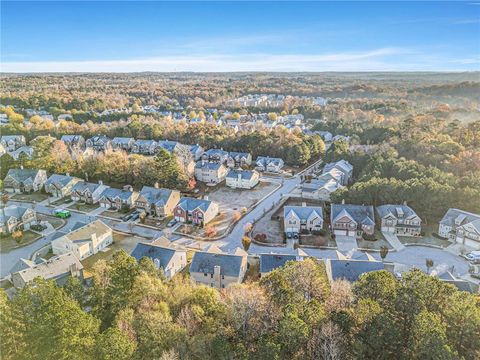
[
  {"x": 7, "y": 243},
  {"x": 428, "y": 238},
  {"x": 84, "y": 207},
  {"x": 54, "y": 221},
  {"x": 115, "y": 214},
  {"x": 61, "y": 201},
  {"x": 36, "y": 196}
]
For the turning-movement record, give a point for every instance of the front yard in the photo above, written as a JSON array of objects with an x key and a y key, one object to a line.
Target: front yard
[
  {"x": 84, "y": 207},
  {"x": 8, "y": 243},
  {"x": 428, "y": 239},
  {"x": 35, "y": 196},
  {"x": 54, "y": 221},
  {"x": 120, "y": 241},
  {"x": 116, "y": 214}
]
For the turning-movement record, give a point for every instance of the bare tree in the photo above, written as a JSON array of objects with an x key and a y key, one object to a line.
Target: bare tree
[
  {"x": 341, "y": 296},
  {"x": 327, "y": 343}
]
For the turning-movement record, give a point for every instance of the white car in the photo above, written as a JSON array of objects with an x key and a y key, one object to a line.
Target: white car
[{"x": 474, "y": 256}]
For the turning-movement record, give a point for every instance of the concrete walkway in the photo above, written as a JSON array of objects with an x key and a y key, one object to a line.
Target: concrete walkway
[
  {"x": 346, "y": 243},
  {"x": 392, "y": 239}
]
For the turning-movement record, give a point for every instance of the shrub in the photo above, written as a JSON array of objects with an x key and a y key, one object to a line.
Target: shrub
[{"x": 260, "y": 237}]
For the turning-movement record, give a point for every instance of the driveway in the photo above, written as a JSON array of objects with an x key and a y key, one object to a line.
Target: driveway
[
  {"x": 393, "y": 241},
  {"x": 346, "y": 243}
]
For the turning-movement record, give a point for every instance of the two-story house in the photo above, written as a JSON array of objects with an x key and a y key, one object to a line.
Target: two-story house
[
  {"x": 271, "y": 262},
  {"x": 122, "y": 143},
  {"x": 99, "y": 143},
  {"x": 238, "y": 159},
  {"x": 399, "y": 219},
  {"x": 89, "y": 193},
  {"x": 215, "y": 155},
  {"x": 345, "y": 168},
  {"x": 320, "y": 188},
  {"x": 83, "y": 240},
  {"x": 210, "y": 173},
  {"x": 263, "y": 163},
  {"x": 24, "y": 180},
  {"x": 118, "y": 199},
  {"x": 461, "y": 227},
  {"x": 196, "y": 151},
  {"x": 144, "y": 147},
  {"x": 242, "y": 179},
  {"x": 352, "y": 220},
  {"x": 13, "y": 142},
  {"x": 218, "y": 270},
  {"x": 157, "y": 201},
  {"x": 170, "y": 260},
  {"x": 73, "y": 141},
  {"x": 60, "y": 185},
  {"x": 15, "y": 217},
  {"x": 195, "y": 211},
  {"x": 302, "y": 219}
]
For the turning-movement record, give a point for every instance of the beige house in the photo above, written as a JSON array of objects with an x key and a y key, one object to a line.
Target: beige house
[
  {"x": 210, "y": 172},
  {"x": 461, "y": 227},
  {"x": 157, "y": 201},
  {"x": 84, "y": 240},
  {"x": 15, "y": 217},
  {"x": 242, "y": 179},
  {"x": 169, "y": 259},
  {"x": 58, "y": 268},
  {"x": 218, "y": 270},
  {"x": 60, "y": 185},
  {"x": 24, "y": 180}
]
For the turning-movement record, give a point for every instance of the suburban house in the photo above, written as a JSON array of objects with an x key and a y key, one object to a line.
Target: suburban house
[
  {"x": 145, "y": 147},
  {"x": 218, "y": 270},
  {"x": 399, "y": 219},
  {"x": 352, "y": 220},
  {"x": 270, "y": 262},
  {"x": 13, "y": 142},
  {"x": 73, "y": 141},
  {"x": 157, "y": 201},
  {"x": 117, "y": 199},
  {"x": 268, "y": 164},
  {"x": 87, "y": 192},
  {"x": 302, "y": 219},
  {"x": 215, "y": 155},
  {"x": 15, "y": 217},
  {"x": 99, "y": 143},
  {"x": 319, "y": 188},
  {"x": 210, "y": 172},
  {"x": 122, "y": 143},
  {"x": 58, "y": 268},
  {"x": 196, "y": 211},
  {"x": 172, "y": 146},
  {"x": 83, "y": 240},
  {"x": 350, "y": 269},
  {"x": 25, "y": 151},
  {"x": 242, "y": 179},
  {"x": 60, "y": 185},
  {"x": 170, "y": 260},
  {"x": 239, "y": 159},
  {"x": 196, "y": 151},
  {"x": 344, "y": 167},
  {"x": 24, "y": 180},
  {"x": 325, "y": 135},
  {"x": 461, "y": 227}
]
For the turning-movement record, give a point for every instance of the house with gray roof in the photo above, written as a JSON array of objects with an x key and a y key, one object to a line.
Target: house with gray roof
[
  {"x": 211, "y": 173},
  {"x": 269, "y": 164},
  {"x": 399, "y": 219},
  {"x": 195, "y": 211},
  {"x": 24, "y": 180},
  {"x": 144, "y": 147},
  {"x": 172, "y": 146},
  {"x": 122, "y": 143},
  {"x": 170, "y": 260},
  {"x": 350, "y": 269},
  {"x": 461, "y": 227},
  {"x": 215, "y": 155},
  {"x": 242, "y": 179},
  {"x": 58, "y": 268},
  {"x": 218, "y": 270},
  {"x": 24, "y": 151},
  {"x": 15, "y": 217},
  {"x": 345, "y": 169},
  {"x": 270, "y": 262},
  {"x": 302, "y": 219},
  {"x": 157, "y": 201},
  {"x": 320, "y": 188},
  {"x": 60, "y": 185},
  {"x": 118, "y": 199},
  {"x": 99, "y": 143},
  {"x": 87, "y": 192},
  {"x": 196, "y": 151},
  {"x": 12, "y": 142},
  {"x": 352, "y": 220},
  {"x": 73, "y": 141},
  {"x": 239, "y": 159}
]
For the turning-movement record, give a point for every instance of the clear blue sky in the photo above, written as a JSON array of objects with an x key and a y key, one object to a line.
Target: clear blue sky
[{"x": 239, "y": 36}]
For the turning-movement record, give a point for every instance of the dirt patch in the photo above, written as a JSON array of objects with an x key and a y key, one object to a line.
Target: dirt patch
[
  {"x": 317, "y": 240},
  {"x": 36, "y": 196}
]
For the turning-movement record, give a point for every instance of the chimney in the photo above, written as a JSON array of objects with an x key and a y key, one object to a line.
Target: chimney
[
  {"x": 216, "y": 275},
  {"x": 205, "y": 197},
  {"x": 156, "y": 186},
  {"x": 100, "y": 182}
]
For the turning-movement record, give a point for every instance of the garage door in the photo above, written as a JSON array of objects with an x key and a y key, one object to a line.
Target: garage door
[
  {"x": 352, "y": 233},
  {"x": 340, "y": 232},
  {"x": 388, "y": 229}
]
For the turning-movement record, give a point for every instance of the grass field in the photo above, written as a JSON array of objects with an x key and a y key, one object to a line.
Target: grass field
[
  {"x": 7, "y": 243},
  {"x": 36, "y": 196}
]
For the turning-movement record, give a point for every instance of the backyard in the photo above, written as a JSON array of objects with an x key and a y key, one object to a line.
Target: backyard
[
  {"x": 120, "y": 241},
  {"x": 8, "y": 243}
]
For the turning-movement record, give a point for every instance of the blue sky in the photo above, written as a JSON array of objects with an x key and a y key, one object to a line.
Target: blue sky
[{"x": 240, "y": 36}]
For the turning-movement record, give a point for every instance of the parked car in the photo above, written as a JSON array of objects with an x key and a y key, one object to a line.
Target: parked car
[
  {"x": 134, "y": 216},
  {"x": 61, "y": 213},
  {"x": 171, "y": 223},
  {"x": 474, "y": 257}
]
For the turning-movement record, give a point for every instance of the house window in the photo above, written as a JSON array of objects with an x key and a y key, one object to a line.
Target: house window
[{"x": 204, "y": 274}]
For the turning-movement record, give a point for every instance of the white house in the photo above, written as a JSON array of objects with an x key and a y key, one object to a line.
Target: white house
[
  {"x": 170, "y": 260},
  {"x": 461, "y": 227},
  {"x": 302, "y": 219},
  {"x": 342, "y": 166},
  {"x": 83, "y": 240},
  {"x": 268, "y": 164},
  {"x": 242, "y": 179},
  {"x": 210, "y": 172}
]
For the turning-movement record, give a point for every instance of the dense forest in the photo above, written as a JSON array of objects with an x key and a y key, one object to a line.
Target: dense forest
[{"x": 132, "y": 312}]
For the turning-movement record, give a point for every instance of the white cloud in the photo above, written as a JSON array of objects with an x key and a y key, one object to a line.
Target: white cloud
[{"x": 384, "y": 59}]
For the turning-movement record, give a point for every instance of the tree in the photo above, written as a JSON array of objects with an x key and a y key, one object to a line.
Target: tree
[
  {"x": 246, "y": 242},
  {"x": 210, "y": 231},
  {"x": 17, "y": 236},
  {"x": 428, "y": 264},
  {"x": 383, "y": 252},
  {"x": 113, "y": 344}
]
